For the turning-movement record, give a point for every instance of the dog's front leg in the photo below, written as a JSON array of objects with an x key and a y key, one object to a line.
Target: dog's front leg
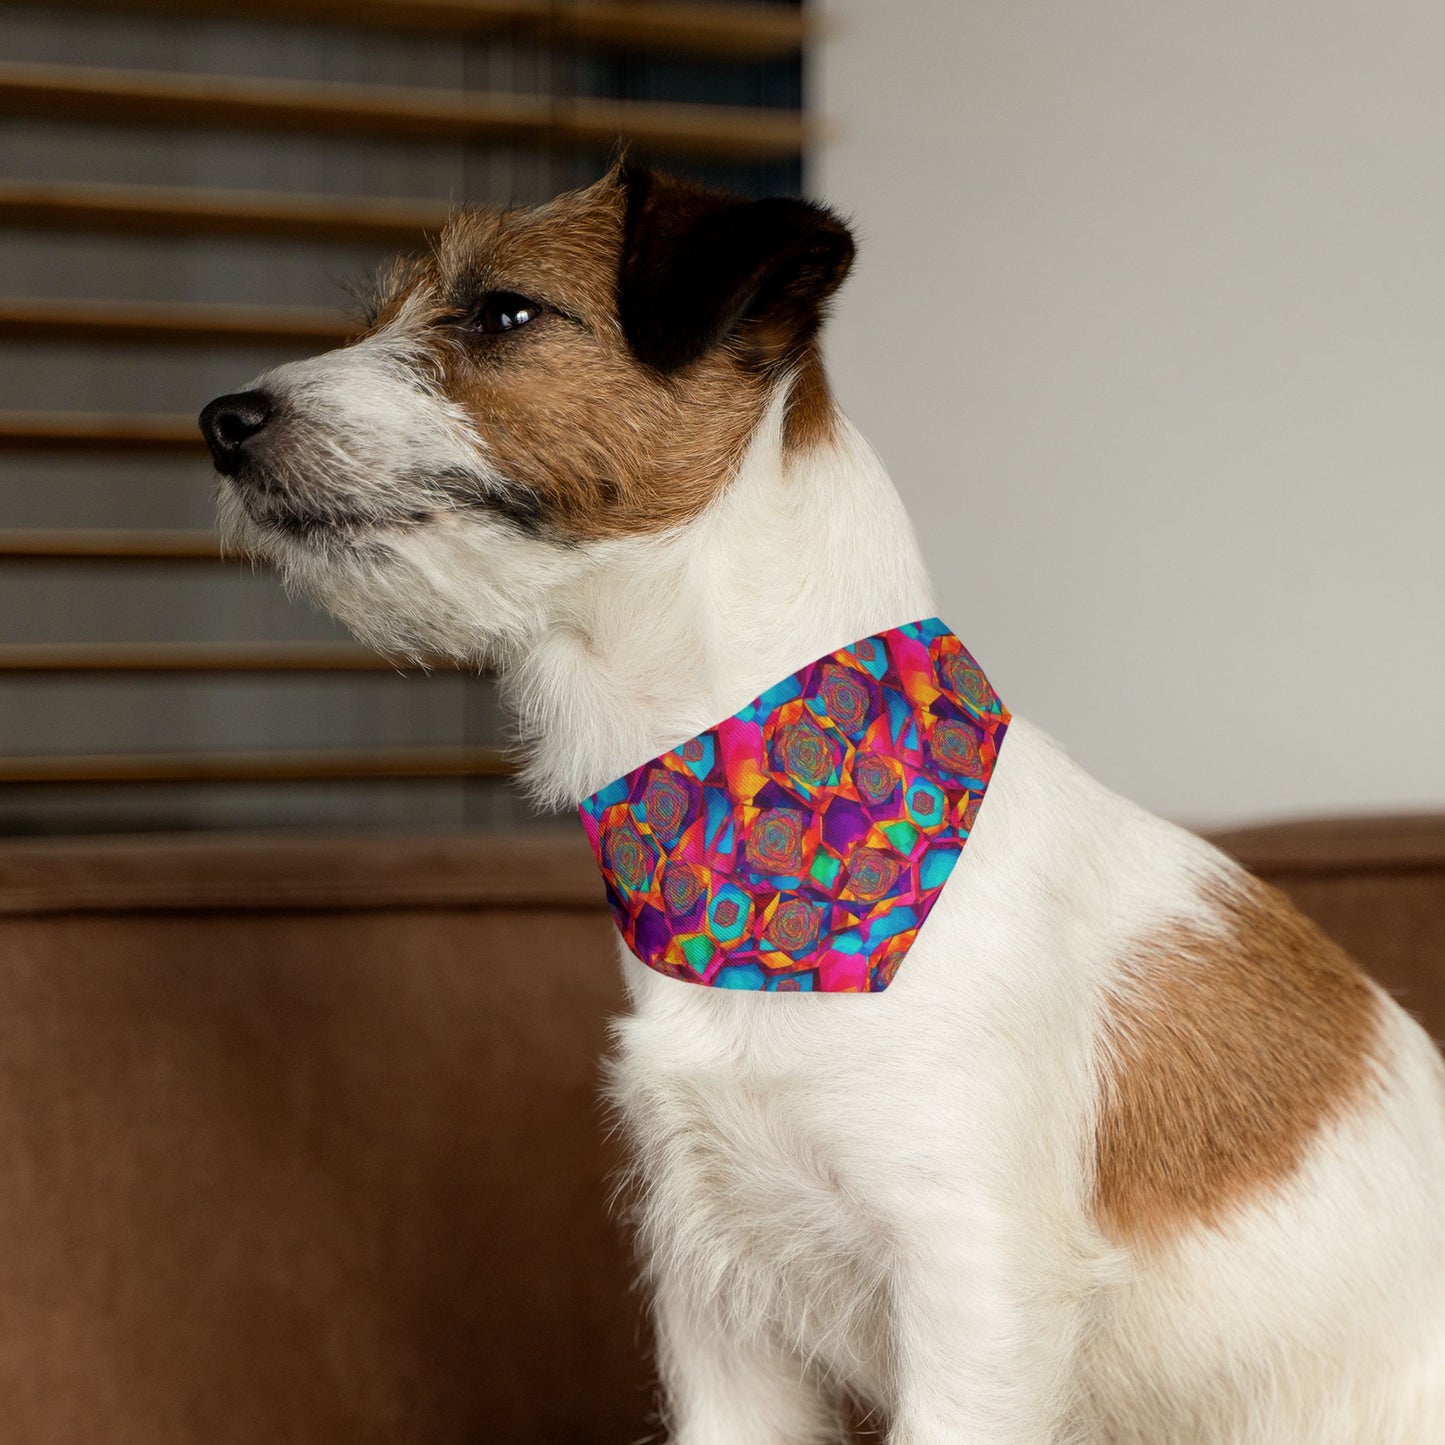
[
  {"x": 984, "y": 1341},
  {"x": 722, "y": 1386}
]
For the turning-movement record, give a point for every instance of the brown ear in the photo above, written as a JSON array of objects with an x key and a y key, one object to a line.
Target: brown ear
[{"x": 699, "y": 266}]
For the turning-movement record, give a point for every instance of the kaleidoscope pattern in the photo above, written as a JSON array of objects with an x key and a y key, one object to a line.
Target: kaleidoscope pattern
[{"x": 800, "y": 844}]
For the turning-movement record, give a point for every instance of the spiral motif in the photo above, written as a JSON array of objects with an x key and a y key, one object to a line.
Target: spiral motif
[
  {"x": 871, "y": 874},
  {"x": 963, "y": 676},
  {"x": 955, "y": 747},
  {"x": 804, "y": 752},
  {"x": 873, "y": 778},
  {"x": 794, "y": 926},
  {"x": 683, "y": 884},
  {"x": 845, "y": 697},
  {"x": 775, "y": 844},
  {"x": 887, "y": 968},
  {"x": 628, "y": 856},
  {"x": 665, "y": 803},
  {"x": 727, "y": 913}
]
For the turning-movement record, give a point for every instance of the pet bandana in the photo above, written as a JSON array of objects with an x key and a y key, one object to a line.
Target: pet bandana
[{"x": 800, "y": 844}]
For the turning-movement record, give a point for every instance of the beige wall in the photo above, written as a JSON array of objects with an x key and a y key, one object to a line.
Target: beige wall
[{"x": 1149, "y": 323}]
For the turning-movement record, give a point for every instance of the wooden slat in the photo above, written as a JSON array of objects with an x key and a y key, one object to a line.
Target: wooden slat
[
  {"x": 293, "y": 869},
  {"x": 78, "y": 431},
  {"x": 190, "y": 657},
  {"x": 82, "y": 544},
  {"x": 174, "y": 211},
  {"x": 330, "y": 765},
  {"x": 171, "y": 323},
  {"x": 759, "y": 32},
  {"x": 222, "y": 102},
  {"x": 705, "y": 28}
]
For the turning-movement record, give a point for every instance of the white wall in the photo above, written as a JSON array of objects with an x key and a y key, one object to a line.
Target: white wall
[{"x": 1149, "y": 324}]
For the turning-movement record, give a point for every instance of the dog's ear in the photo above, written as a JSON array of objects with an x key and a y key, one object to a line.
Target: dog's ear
[{"x": 699, "y": 266}]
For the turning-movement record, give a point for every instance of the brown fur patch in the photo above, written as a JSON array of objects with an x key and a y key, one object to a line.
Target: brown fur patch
[
  {"x": 605, "y": 445},
  {"x": 1227, "y": 1053}
]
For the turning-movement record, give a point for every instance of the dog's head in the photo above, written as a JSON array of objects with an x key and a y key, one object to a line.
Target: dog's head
[{"x": 542, "y": 384}]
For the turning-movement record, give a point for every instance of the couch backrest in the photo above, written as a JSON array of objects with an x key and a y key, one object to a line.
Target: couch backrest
[
  {"x": 302, "y": 1142},
  {"x": 1376, "y": 885}
]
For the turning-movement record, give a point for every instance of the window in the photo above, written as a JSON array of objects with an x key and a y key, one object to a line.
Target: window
[{"x": 185, "y": 193}]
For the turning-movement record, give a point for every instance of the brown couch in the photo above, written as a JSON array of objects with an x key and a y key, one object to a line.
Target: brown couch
[{"x": 301, "y": 1140}]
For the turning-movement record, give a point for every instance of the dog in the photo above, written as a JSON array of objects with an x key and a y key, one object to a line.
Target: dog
[{"x": 1127, "y": 1152}]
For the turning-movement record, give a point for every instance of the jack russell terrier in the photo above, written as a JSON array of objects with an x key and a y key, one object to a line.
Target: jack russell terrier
[{"x": 1097, "y": 1141}]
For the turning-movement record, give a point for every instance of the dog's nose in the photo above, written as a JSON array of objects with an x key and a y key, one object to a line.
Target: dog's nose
[{"x": 229, "y": 422}]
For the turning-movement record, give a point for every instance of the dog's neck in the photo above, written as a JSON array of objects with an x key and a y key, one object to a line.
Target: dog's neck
[{"x": 665, "y": 636}]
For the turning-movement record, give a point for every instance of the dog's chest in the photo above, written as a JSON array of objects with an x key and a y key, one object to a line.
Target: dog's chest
[{"x": 751, "y": 1180}]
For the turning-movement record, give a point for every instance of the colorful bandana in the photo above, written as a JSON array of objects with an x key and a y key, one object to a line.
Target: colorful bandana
[{"x": 800, "y": 844}]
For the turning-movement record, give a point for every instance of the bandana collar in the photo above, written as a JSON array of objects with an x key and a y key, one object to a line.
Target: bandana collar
[{"x": 800, "y": 844}]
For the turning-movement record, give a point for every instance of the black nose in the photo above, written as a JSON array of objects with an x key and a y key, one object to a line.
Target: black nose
[{"x": 229, "y": 422}]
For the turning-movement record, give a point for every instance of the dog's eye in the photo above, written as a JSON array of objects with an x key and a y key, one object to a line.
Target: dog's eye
[{"x": 504, "y": 311}]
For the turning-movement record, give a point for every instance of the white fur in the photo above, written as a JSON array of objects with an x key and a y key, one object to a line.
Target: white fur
[{"x": 890, "y": 1194}]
